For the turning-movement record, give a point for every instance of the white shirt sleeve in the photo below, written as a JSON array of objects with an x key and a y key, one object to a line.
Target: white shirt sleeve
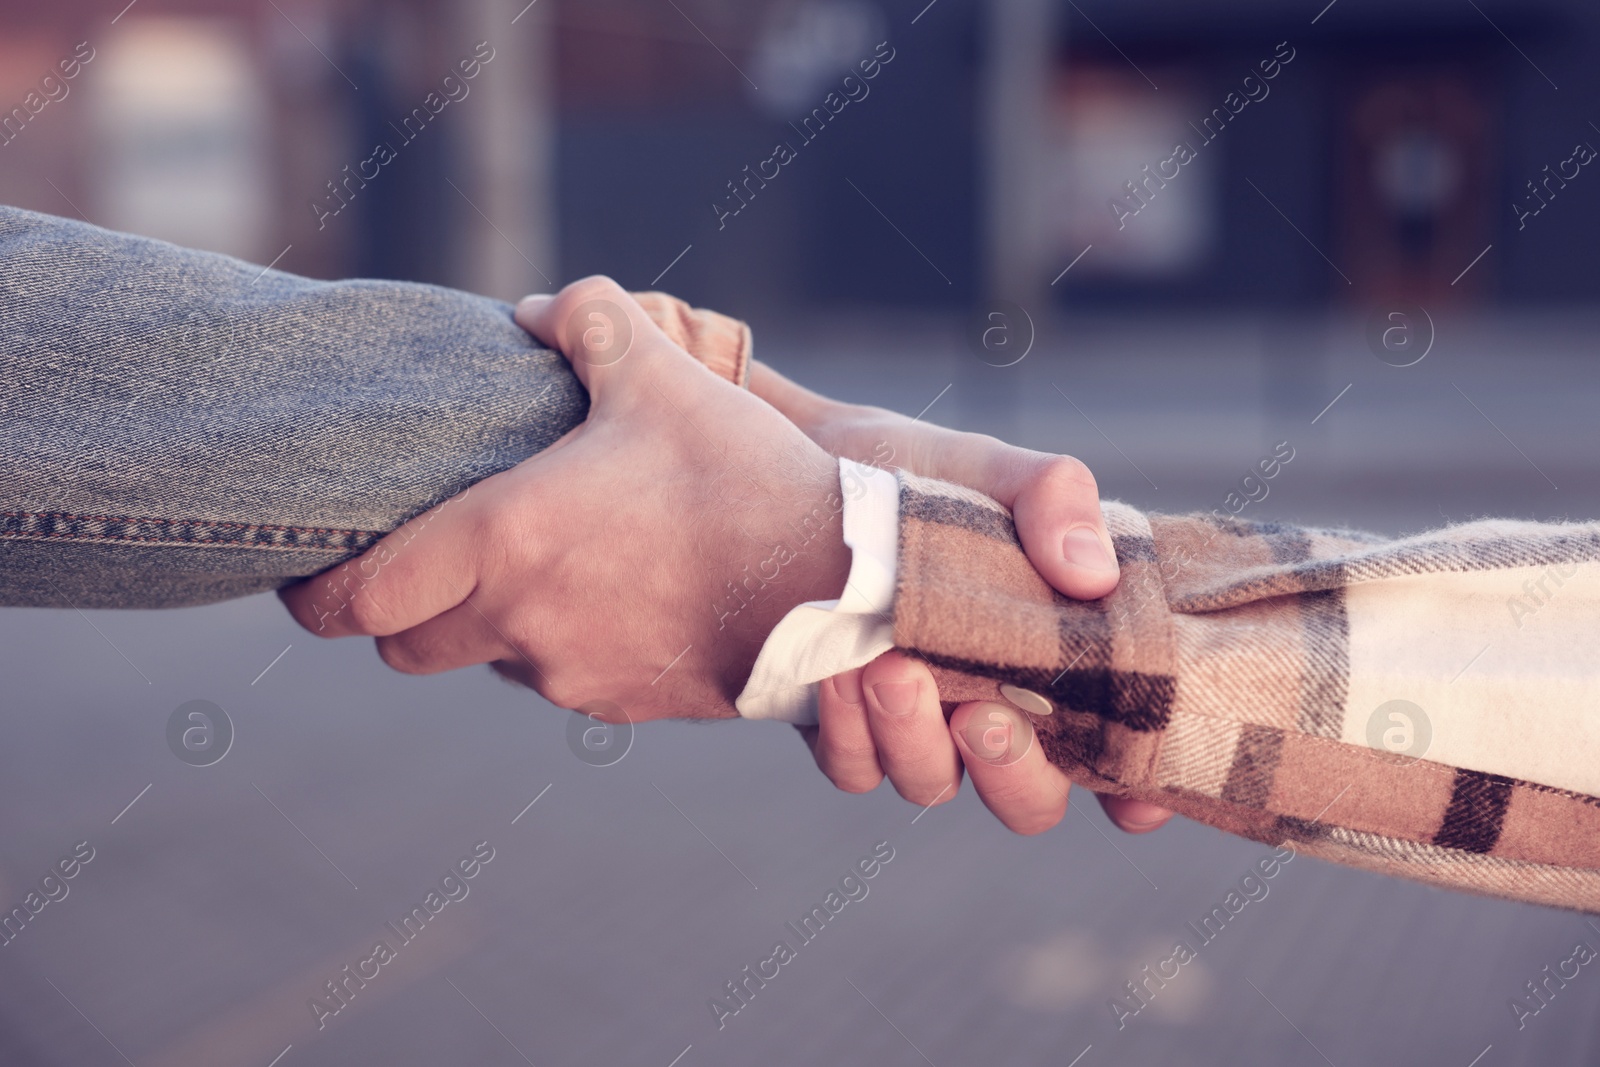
[{"x": 823, "y": 637}]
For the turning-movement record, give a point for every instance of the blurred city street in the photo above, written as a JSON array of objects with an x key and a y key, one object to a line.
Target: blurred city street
[{"x": 226, "y": 897}]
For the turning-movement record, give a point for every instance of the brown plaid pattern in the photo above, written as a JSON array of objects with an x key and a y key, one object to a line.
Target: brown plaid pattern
[{"x": 1214, "y": 681}]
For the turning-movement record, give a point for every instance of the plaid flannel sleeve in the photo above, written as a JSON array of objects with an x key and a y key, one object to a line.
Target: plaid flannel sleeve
[{"x": 1427, "y": 706}]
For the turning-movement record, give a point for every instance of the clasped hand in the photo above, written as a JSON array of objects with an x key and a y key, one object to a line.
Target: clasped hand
[{"x": 592, "y": 571}]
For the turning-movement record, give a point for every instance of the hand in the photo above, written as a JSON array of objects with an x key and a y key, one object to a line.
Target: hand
[
  {"x": 885, "y": 719},
  {"x": 603, "y": 569}
]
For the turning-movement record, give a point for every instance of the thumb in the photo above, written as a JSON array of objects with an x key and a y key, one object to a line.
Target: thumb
[
  {"x": 1063, "y": 530},
  {"x": 596, "y": 325},
  {"x": 1053, "y": 499}
]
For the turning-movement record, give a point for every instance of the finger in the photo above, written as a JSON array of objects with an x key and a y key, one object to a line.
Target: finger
[
  {"x": 1008, "y": 768},
  {"x": 460, "y": 637},
  {"x": 528, "y": 309},
  {"x": 1058, "y": 517},
  {"x": 675, "y": 318},
  {"x": 413, "y": 574},
  {"x": 1054, "y": 501},
  {"x": 844, "y": 748},
  {"x": 794, "y": 401},
  {"x": 908, "y": 728},
  {"x": 596, "y": 325},
  {"x": 1134, "y": 816}
]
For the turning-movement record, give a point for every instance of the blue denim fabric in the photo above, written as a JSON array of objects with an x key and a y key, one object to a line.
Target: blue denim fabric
[{"x": 178, "y": 427}]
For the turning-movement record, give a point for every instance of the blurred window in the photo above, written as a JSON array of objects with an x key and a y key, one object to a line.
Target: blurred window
[{"x": 1109, "y": 125}]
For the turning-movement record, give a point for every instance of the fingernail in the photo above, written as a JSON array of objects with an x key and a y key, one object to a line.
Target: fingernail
[
  {"x": 534, "y": 302},
  {"x": 1082, "y": 547},
  {"x": 998, "y": 734},
  {"x": 989, "y": 736},
  {"x": 848, "y": 686},
  {"x": 896, "y": 698},
  {"x": 1141, "y": 815}
]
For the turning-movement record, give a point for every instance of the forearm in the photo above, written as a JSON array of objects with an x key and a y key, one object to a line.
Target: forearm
[
  {"x": 1239, "y": 670},
  {"x": 180, "y": 427}
]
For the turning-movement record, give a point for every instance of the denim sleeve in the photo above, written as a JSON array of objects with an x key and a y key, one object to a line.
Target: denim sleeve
[{"x": 178, "y": 427}]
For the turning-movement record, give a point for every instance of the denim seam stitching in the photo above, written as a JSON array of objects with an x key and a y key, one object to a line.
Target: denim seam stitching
[{"x": 199, "y": 533}]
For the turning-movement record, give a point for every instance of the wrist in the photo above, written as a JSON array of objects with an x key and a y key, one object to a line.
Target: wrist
[
  {"x": 823, "y": 638},
  {"x": 817, "y": 537},
  {"x": 796, "y": 555}
]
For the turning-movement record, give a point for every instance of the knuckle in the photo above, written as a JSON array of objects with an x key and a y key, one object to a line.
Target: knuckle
[
  {"x": 854, "y": 429},
  {"x": 403, "y": 654},
  {"x": 918, "y": 744},
  {"x": 928, "y": 795},
  {"x": 850, "y": 751},
  {"x": 1034, "y": 823},
  {"x": 593, "y": 285},
  {"x": 511, "y": 542},
  {"x": 1067, "y": 474},
  {"x": 496, "y": 529},
  {"x": 972, "y": 441},
  {"x": 1026, "y": 806},
  {"x": 855, "y": 781},
  {"x": 561, "y": 691},
  {"x": 1021, "y": 811},
  {"x": 1010, "y": 799},
  {"x": 306, "y": 609},
  {"x": 1002, "y": 462},
  {"x": 583, "y": 291},
  {"x": 374, "y": 611}
]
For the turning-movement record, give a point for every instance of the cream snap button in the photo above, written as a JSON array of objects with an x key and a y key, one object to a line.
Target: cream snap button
[{"x": 1027, "y": 700}]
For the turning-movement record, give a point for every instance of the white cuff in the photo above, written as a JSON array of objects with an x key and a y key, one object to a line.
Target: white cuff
[{"x": 819, "y": 639}]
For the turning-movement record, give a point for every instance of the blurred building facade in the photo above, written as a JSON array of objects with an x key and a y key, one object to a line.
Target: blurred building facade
[
  {"x": 793, "y": 154},
  {"x": 404, "y": 139}
]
